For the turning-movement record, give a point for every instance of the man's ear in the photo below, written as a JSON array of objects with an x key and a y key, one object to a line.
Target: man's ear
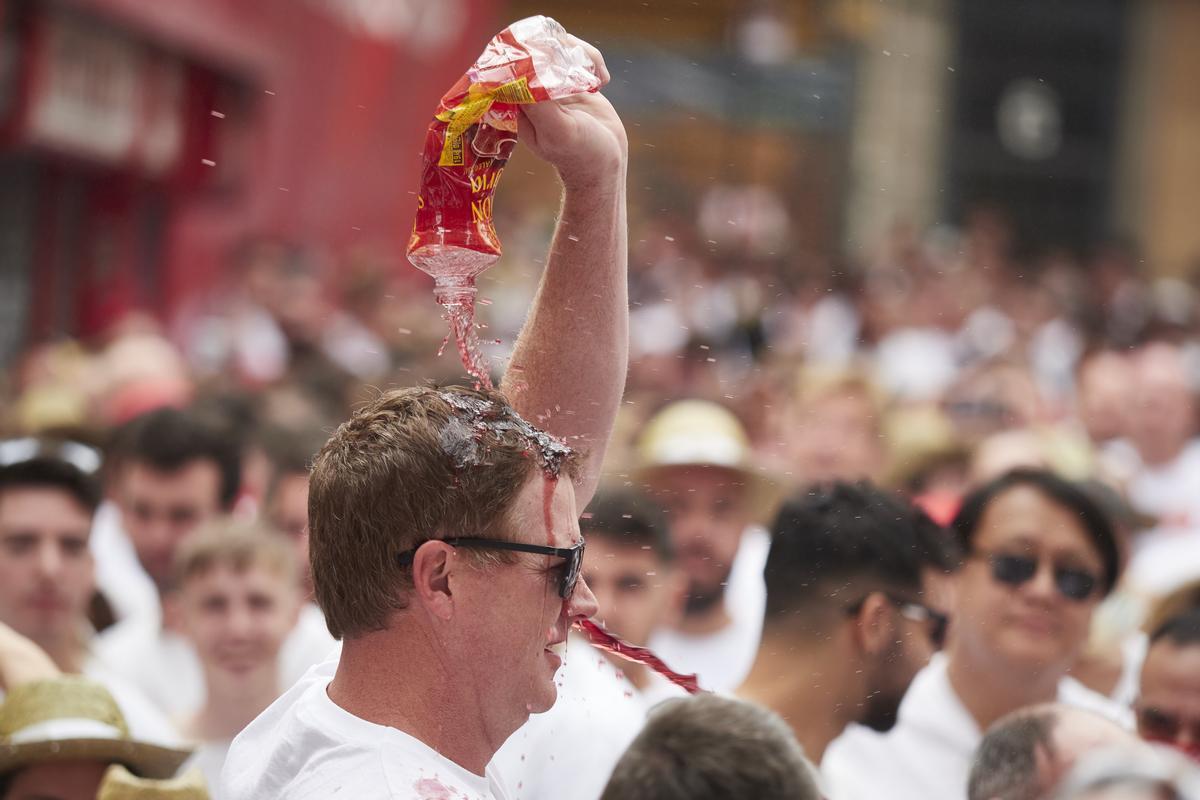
[
  {"x": 873, "y": 625},
  {"x": 433, "y": 564}
]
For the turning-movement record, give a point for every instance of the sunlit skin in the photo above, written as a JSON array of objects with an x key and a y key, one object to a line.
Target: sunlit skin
[
  {"x": 46, "y": 569},
  {"x": 57, "y": 780},
  {"x": 707, "y": 513},
  {"x": 159, "y": 508},
  {"x": 1170, "y": 687},
  {"x": 636, "y": 593},
  {"x": 1012, "y": 644},
  {"x": 513, "y": 611}
]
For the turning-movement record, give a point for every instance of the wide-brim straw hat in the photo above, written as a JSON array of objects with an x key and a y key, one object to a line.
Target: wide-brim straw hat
[
  {"x": 698, "y": 433},
  {"x": 120, "y": 784},
  {"x": 73, "y": 718}
]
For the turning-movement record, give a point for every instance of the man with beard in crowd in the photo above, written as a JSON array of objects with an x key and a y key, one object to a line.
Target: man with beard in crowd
[
  {"x": 847, "y": 624},
  {"x": 695, "y": 459}
]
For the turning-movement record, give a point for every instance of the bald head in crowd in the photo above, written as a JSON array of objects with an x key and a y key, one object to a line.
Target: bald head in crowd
[{"x": 1025, "y": 754}]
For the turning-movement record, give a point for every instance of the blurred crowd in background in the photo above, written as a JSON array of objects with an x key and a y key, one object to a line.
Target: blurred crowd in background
[{"x": 930, "y": 355}]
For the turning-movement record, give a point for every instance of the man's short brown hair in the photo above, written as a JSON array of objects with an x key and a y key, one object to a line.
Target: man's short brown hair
[{"x": 415, "y": 464}]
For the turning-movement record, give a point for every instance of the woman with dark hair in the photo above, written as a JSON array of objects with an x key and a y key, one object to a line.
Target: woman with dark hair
[{"x": 1040, "y": 556}]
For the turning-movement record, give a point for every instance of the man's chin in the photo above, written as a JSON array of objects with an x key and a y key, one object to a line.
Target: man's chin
[
  {"x": 702, "y": 600},
  {"x": 881, "y": 717}
]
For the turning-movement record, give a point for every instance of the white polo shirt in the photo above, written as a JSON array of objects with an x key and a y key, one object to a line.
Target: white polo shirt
[{"x": 928, "y": 755}]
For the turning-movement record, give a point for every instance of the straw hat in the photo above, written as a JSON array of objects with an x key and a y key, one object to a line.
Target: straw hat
[
  {"x": 70, "y": 718},
  {"x": 697, "y": 433},
  {"x": 120, "y": 784}
]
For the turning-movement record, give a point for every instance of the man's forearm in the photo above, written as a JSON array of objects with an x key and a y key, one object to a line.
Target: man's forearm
[{"x": 568, "y": 368}]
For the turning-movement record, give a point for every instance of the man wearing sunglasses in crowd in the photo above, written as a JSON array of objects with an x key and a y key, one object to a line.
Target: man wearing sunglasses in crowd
[
  {"x": 1040, "y": 556},
  {"x": 444, "y": 528},
  {"x": 848, "y": 620},
  {"x": 1168, "y": 705}
]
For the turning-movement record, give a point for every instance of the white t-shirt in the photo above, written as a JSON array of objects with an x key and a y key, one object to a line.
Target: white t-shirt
[
  {"x": 568, "y": 752},
  {"x": 927, "y": 756},
  {"x": 165, "y": 665},
  {"x": 723, "y": 659},
  {"x": 306, "y": 747}
]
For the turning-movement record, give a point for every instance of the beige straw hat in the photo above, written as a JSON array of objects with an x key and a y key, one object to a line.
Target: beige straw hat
[
  {"x": 71, "y": 718},
  {"x": 120, "y": 784},
  {"x": 698, "y": 433}
]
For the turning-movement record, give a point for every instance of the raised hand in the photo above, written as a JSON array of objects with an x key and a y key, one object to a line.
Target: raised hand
[{"x": 580, "y": 135}]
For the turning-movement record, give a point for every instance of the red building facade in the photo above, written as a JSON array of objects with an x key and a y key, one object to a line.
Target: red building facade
[{"x": 139, "y": 142}]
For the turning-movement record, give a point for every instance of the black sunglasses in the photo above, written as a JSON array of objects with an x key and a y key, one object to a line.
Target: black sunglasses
[
  {"x": 1010, "y": 569},
  {"x": 917, "y": 612},
  {"x": 573, "y": 556}
]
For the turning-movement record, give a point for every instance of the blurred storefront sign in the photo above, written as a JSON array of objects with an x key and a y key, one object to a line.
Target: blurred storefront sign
[{"x": 97, "y": 93}]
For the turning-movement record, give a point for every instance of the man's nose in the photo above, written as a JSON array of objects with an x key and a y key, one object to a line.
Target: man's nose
[
  {"x": 49, "y": 561},
  {"x": 582, "y": 603}
]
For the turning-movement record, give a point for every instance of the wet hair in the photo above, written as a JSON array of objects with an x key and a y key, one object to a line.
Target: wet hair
[
  {"x": 709, "y": 747},
  {"x": 849, "y": 533},
  {"x": 628, "y": 518},
  {"x": 1005, "y": 766},
  {"x": 47, "y": 472},
  {"x": 168, "y": 439},
  {"x": 413, "y": 465},
  {"x": 1181, "y": 630},
  {"x": 1058, "y": 490}
]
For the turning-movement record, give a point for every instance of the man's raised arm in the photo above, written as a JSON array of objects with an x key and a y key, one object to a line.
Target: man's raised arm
[{"x": 568, "y": 369}]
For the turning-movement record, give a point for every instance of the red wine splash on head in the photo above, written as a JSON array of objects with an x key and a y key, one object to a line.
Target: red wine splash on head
[{"x": 603, "y": 640}]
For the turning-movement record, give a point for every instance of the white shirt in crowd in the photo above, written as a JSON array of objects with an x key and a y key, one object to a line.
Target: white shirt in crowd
[
  {"x": 209, "y": 758},
  {"x": 927, "y": 756},
  {"x": 120, "y": 577},
  {"x": 146, "y": 721},
  {"x": 306, "y": 747},
  {"x": 722, "y": 660},
  {"x": 1168, "y": 491},
  {"x": 568, "y": 753},
  {"x": 165, "y": 665}
]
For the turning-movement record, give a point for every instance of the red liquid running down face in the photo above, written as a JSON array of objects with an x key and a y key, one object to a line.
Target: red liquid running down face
[{"x": 605, "y": 641}]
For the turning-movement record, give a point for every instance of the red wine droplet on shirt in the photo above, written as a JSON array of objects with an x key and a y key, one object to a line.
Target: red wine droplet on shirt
[{"x": 605, "y": 641}]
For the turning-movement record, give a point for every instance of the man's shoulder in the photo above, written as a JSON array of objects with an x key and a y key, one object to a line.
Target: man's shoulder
[
  {"x": 286, "y": 753},
  {"x": 305, "y": 747}
]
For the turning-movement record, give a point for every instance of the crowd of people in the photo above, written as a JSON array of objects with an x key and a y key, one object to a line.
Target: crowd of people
[{"x": 924, "y": 527}]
